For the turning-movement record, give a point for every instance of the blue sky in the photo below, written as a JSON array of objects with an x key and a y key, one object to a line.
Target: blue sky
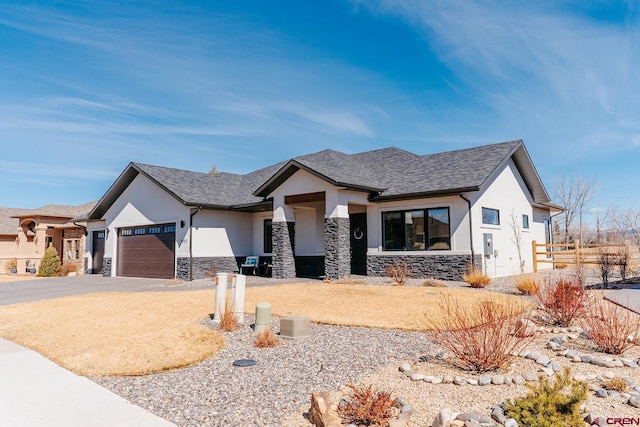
[{"x": 88, "y": 86}]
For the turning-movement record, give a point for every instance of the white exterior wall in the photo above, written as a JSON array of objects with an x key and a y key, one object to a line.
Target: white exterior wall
[
  {"x": 223, "y": 234},
  {"x": 458, "y": 223},
  {"x": 507, "y": 193},
  {"x": 144, "y": 203}
]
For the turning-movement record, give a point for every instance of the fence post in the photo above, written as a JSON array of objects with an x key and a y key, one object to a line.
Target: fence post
[
  {"x": 534, "y": 251},
  {"x": 627, "y": 252}
]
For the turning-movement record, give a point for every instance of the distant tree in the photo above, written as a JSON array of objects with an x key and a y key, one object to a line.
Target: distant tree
[
  {"x": 603, "y": 218},
  {"x": 574, "y": 195},
  {"x": 50, "y": 263},
  {"x": 214, "y": 170},
  {"x": 627, "y": 222}
]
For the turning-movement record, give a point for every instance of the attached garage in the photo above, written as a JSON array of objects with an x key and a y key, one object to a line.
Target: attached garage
[{"x": 147, "y": 251}]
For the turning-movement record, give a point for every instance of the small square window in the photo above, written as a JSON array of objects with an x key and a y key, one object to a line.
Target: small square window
[
  {"x": 525, "y": 221},
  {"x": 126, "y": 232},
  {"x": 154, "y": 230},
  {"x": 169, "y": 228},
  {"x": 139, "y": 231},
  {"x": 490, "y": 216}
]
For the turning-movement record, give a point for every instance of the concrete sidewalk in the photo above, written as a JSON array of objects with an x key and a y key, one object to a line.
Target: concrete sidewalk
[
  {"x": 629, "y": 298},
  {"x": 35, "y": 392}
]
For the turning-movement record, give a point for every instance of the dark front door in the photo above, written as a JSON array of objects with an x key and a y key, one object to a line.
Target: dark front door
[
  {"x": 97, "y": 255},
  {"x": 358, "y": 243}
]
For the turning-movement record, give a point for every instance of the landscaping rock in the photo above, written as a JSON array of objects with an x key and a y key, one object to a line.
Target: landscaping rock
[
  {"x": 609, "y": 375},
  {"x": 524, "y": 353},
  {"x": 425, "y": 358},
  {"x": 510, "y": 423},
  {"x": 601, "y": 393},
  {"x": 518, "y": 379},
  {"x": 436, "y": 380},
  {"x": 547, "y": 371},
  {"x": 457, "y": 380},
  {"x": 447, "y": 379},
  {"x": 441, "y": 355},
  {"x": 443, "y": 418},
  {"x": 557, "y": 339},
  {"x": 484, "y": 380},
  {"x": 497, "y": 379},
  {"x": 555, "y": 366},
  {"x": 498, "y": 415},
  {"x": 586, "y": 358},
  {"x": 404, "y": 367},
  {"x": 579, "y": 377},
  {"x": 543, "y": 360},
  {"x": 634, "y": 401},
  {"x": 472, "y": 381},
  {"x": 590, "y": 377},
  {"x": 533, "y": 355},
  {"x": 629, "y": 363},
  {"x": 530, "y": 376},
  {"x": 474, "y": 417},
  {"x": 572, "y": 353},
  {"x": 508, "y": 380},
  {"x": 323, "y": 411},
  {"x": 416, "y": 376}
]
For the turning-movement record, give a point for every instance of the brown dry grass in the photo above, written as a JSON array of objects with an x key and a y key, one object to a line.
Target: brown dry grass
[
  {"x": 139, "y": 333},
  {"x": 476, "y": 278},
  {"x": 116, "y": 333},
  {"x": 405, "y": 307},
  {"x": 16, "y": 277},
  {"x": 266, "y": 338}
]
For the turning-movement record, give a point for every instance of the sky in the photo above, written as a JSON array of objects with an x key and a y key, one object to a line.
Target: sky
[{"x": 88, "y": 86}]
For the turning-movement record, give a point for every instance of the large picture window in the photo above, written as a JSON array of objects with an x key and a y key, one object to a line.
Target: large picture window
[{"x": 416, "y": 230}]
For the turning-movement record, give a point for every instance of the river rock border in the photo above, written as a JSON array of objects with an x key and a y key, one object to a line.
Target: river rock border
[{"x": 547, "y": 366}]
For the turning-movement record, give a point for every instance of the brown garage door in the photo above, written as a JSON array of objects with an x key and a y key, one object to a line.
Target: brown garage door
[{"x": 147, "y": 251}]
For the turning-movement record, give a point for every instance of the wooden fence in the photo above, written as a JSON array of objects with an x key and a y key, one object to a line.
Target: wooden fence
[{"x": 575, "y": 254}]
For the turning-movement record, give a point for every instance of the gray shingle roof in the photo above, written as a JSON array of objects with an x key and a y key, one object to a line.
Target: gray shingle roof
[
  {"x": 385, "y": 173},
  {"x": 9, "y": 223}
]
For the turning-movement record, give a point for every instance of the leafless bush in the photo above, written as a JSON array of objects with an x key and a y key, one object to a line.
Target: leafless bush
[
  {"x": 621, "y": 263},
  {"x": 434, "y": 283},
  {"x": 482, "y": 336},
  {"x": 399, "y": 273},
  {"x": 562, "y": 300},
  {"x": 606, "y": 261},
  {"x": 611, "y": 326},
  {"x": 367, "y": 406}
]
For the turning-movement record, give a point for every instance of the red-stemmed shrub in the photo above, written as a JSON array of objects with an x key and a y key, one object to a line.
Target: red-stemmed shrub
[
  {"x": 483, "y": 337},
  {"x": 562, "y": 300},
  {"x": 612, "y": 328},
  {"x": 367, "y": 406}
]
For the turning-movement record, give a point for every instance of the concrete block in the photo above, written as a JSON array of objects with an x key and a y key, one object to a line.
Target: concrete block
[{"x": 294, "y": 327}]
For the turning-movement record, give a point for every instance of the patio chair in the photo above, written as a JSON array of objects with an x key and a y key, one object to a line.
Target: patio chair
[{"x": 250, "y": 263}]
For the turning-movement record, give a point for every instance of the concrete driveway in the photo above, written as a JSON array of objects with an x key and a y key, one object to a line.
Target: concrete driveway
[{"x": 55, "y": 287}]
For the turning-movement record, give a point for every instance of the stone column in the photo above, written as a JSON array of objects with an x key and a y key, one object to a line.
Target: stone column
[
  {"x": 337, "y": 243},
  {"x": 283, "y": 261}
]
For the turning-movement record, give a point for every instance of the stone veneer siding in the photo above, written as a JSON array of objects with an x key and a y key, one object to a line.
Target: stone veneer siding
[
  {"x": 202, "y": 265},
  {"x": 443, "y": 267},
  {"x": 337, "y": 243},
  {"x": 284, "y": 264},
  {"x": 106, "y": 267},
  {"x": 86, "y": 266}
]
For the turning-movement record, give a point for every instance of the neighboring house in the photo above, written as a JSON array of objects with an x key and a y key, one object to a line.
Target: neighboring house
[
  {"x": 327, "y": 214},
  {"x": 26, "y": 233}
]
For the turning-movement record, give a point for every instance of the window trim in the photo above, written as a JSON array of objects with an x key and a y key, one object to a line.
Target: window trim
[
  {"x": 525, "y": 224},
  {"x": 497, "y": 216},
  {"x": 264, "y": 236},
  {"x": 425, "y": 213}
]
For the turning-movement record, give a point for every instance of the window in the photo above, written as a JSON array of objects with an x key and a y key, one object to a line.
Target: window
[
  {"x": 407, "y": 230},
  {"x": 169, "y": 229},
  {"x": 72, "y": 249},
  {"x": 525, "y": 221},
  {"x": 267, "y": 234},
  {"x": 126, "y": 232},
  {"x": 139, "y": 231},
  {"x": 154, "y": 230},
  {"x": 490, "y": 216}
]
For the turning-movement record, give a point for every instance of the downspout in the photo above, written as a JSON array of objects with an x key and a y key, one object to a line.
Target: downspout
[
  {"x": 191, "y": 241},
  {"x": 473, "y": 255}
]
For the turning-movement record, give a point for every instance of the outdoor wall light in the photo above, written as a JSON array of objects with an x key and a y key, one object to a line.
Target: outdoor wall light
[{"x": 181, "y": 224}]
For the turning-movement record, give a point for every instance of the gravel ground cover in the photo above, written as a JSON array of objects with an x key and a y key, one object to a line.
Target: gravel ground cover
[{"x": 276, "y": 392}]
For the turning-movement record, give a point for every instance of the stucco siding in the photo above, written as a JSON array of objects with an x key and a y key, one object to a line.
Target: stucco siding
[{"x": 222, "y": 234}]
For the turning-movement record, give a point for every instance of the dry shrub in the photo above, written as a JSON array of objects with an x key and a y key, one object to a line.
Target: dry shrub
[
  {"x": 434, "y": 283},
  {"x": 562, "y": 300},
  {"x": 617, "y": 384},
  {"x": 399, "y": 273},
  {"x": 476, "y": 278},
  {"x": 482, "y": 336},
  {"x": 266, "y": 338},
  {"x": 11, "y": 263},
  {"x": 560, "y": 265},
  {"x": 212, "y": 273},
  {"x": 606, "y": 261},
  {"x": 228, "y": 320},
  {"x": 367, "y": 406},
  {"x": 527, "y": 284},
  {"x": 610, "y": 326}
]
